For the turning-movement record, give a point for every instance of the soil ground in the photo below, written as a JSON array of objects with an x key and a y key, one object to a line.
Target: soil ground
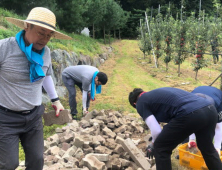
[{"x": 116, "y": 91}]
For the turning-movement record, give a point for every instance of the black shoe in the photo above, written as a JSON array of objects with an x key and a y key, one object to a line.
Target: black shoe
[
  {"x": 177, "y": 157},
  {"x": 74, "y": 117}
]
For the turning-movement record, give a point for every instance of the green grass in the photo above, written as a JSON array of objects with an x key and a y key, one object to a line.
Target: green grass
[{"x": 124, "y": 75}]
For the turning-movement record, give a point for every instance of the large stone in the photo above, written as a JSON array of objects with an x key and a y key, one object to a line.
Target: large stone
[
  {"x": 50, "y": 118},
  {"x": 93, "y": 163},
  {"x": 136, "y": 154}
]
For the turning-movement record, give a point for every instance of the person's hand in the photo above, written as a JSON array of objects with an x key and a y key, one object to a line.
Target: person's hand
[
  {"x": 93, "y": 99},
  {"x": 218, "y": 151},
  {"x": 150, "y": 151},
  {"x": 85, "y": 111},
  {"x": 192, "y": 144},
  {"x": 57, "y": 106},
  {"x": 89, "y": 94}
]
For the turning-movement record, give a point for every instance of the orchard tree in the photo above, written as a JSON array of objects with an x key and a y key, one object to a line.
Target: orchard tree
[
  {"x": 168, "y": 28},
  {"x": 144, "y": 42},
  {"x": 201, "y": 45},
  {"x": 179, "y": 38},
  {"x": 191, "y": 34},
  {"x": 157, "y": 37}
]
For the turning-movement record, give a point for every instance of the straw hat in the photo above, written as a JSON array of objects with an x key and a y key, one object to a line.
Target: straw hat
[{"x": 42, "y": 17}]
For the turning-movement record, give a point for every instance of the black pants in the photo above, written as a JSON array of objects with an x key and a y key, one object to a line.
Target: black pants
[
  {"x": 29, "y": 130},
  {"x": 70, "y": 85},
  {"x": 202, "y": 122}
]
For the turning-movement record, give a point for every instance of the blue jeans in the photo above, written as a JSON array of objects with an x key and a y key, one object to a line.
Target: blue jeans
[{"x": 70, "y": 85}]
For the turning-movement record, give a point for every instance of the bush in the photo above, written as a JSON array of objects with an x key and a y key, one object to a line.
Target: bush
[{"x": 6, "y": 33}]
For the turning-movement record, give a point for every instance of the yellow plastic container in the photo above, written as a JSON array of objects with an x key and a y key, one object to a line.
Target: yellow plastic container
[{"x": 191, "y": 160}]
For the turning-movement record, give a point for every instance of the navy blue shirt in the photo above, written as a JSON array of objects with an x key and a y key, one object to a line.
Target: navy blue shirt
[
  {"x": 214, "y": 93},
  {"x": 167, "y": 103}
]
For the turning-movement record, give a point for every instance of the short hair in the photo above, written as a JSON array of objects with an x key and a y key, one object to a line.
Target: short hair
[
  {"x": 134, "y": 95},
  {"x": 102, "y": 77}
]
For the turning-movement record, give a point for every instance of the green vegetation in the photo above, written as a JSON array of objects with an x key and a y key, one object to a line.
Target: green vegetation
[
  {"x": 177, "y": 39},
  {"x": 79, "y": 44}
]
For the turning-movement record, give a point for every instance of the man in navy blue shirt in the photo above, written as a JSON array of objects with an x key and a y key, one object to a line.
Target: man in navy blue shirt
[
  {"x": 216, "y": 96},
  {"x": 185, "y": 113}
]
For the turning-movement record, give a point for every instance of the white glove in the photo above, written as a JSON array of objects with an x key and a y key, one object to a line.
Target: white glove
[
  {"x": 57, "y": 106},
  {"x": 218, "y": 151},
  {"x": 192, "y": 144},
  {"x": 85, "y": 111}
]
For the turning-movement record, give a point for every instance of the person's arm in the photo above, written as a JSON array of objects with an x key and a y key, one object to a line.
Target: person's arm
[
  {"x": 84, "y": 100},
  {"x": 192, "y": 137},
  {"x": 154, "y": 127},
  {"x": 49, "y": 87},
  {"x": 218, "y": 137}
]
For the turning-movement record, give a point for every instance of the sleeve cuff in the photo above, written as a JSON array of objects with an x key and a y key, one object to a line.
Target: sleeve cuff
[{"x": 55, "y": 99}]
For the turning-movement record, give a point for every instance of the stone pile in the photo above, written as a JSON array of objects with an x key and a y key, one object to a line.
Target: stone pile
[{"x": 102, "y": 140}]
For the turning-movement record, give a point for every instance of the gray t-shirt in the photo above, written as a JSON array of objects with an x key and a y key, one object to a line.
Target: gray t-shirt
[
  {"x": 16, "y": 91},
  {"x": 82, "y": 74}
]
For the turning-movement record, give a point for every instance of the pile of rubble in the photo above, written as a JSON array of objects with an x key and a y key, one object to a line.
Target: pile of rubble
[{"x": 102, "y": 140}]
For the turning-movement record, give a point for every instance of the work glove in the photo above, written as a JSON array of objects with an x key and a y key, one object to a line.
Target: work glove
[
  {"x": 150, "y": 151},
  {"x": 218, "y": 151},
  {"x": 57, "y": 106},
  {"x": 85, "y": 111},
  {"x": 192, "y": 144},
  {"x": 89, "y": 94},
  {"x": 93, "y": 99}
]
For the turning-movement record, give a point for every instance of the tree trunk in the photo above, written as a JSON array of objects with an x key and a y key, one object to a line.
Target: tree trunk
[
  {"x": 196, "y": 75},
  {"x": 93, "y": 31},
  {"x": 166, "y": 67},
  {"x": 115, "y": 33},
  {"x": 150, "y": 59},
  {"x": 179, "y": 70},
  {"x": 119, "y": 35},
  {"x": 104, "y": 34},
  {"x": 157, "y": 64},
  {"x": 109, "y": 38}
]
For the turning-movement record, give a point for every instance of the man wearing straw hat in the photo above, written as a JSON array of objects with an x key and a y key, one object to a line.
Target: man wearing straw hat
[{"x": 25, "y": 66}]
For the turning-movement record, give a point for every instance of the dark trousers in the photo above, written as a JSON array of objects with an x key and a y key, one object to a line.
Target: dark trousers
[
  {"x": 70, "y": 85},
  {"x": 202, "y": 122},
  {"x": 29, "y": 130}
]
